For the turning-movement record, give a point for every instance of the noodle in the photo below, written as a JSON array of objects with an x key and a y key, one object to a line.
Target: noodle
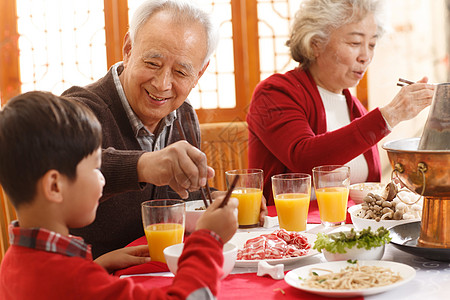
[{"x": 353, "y": 277}]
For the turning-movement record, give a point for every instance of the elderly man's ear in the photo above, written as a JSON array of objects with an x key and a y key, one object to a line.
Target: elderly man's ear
[
  {"x": 126, "y": 49},
  {"x": 202, "y": 71}
]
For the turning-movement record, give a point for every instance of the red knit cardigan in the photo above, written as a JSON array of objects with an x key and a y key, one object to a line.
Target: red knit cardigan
[{"x": 288, "y": 131}]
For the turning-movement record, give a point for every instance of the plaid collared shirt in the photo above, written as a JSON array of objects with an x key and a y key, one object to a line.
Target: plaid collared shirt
[
  {"x": 145, "y": 138},
  {"x": 45, "y": 240}
]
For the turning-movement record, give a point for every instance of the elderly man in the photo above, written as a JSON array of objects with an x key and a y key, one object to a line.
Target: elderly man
[{"x": 138, "y": 103}]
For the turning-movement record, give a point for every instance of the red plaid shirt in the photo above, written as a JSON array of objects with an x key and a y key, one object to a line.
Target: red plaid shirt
[{"x": 46, "y": 240}]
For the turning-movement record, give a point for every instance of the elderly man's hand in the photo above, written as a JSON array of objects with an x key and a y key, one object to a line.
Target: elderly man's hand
[{"x": 180, "y": 165}]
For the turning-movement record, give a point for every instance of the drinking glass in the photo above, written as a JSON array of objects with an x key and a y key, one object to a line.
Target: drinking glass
[
  {"x": 331, "y": 186},
  {"x": 163, "y": 222},
  {"x": 291, "y": 193},
  {"x": 248, "y": 191}
]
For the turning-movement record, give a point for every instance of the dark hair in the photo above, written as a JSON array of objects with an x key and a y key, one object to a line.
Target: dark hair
[{"x": 40, "y": 132}]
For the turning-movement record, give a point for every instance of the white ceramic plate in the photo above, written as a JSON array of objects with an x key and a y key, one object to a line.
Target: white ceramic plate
[
  {"x": 240, "y": 238},
  {"x": 292, "y": 278}
]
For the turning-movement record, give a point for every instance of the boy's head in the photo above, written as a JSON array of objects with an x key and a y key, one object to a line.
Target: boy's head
[{"x": 40, "y": 132}]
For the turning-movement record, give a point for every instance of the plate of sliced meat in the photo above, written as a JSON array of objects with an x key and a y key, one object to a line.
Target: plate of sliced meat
[{"x": 279, "y": 246}]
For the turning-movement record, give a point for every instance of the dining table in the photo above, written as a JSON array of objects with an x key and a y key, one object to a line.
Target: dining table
[{"x": 432, "y": 279}]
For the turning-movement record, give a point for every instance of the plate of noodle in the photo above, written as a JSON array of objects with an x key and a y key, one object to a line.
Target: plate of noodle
[{"x": 350, "y": 278}]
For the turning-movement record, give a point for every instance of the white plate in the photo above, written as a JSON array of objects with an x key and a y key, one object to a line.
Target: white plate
[
  {"x": 240, "y": 238},
  {"x": 292, "y": 277},
  {"x": 361, "y": 223}
]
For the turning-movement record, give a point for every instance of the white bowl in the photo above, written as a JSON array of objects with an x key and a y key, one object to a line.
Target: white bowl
[
  {"x": 361, "y": 223},
  {"x": 172, "y": 253},
  {"x": 358, "y": 191},
  {"x": 356, "y": 253},
  {"x": 193, "y": 214}
]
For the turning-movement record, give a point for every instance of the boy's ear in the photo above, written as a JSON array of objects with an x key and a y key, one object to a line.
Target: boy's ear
[{"x": 52, "y": 186}]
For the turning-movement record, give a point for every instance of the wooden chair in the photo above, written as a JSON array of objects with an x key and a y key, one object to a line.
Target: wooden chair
[
  {"x": 226, "y": 147},
  {"x": 7, "y": 214}
]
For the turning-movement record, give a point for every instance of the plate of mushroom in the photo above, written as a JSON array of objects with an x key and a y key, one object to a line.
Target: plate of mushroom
[{"x": 393, "y": 206}]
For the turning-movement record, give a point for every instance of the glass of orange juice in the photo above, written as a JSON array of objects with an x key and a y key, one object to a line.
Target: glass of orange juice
[
  {"x": 248, "y": 191},
  {"x": 291, "y": 193},
  {"x": 331, "y": 184},
  {"x": 163, "y": 222}
]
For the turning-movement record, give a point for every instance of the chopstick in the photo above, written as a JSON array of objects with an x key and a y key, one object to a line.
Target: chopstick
[
  {"x": 403, "y": 82},
  {"x": 194, "y": 141},
  {"x": 205, "y": 196},
  {"x": 183, "y": 136},
  {"x": 230, "y": 190}
]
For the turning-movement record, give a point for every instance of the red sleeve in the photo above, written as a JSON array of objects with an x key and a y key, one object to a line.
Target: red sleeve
[
  {"x": 287, "y": 130},
  {"x": 49, "y": 276},
  {"x": 290, "y": 123},
  {"x": 202, "y": 256}
]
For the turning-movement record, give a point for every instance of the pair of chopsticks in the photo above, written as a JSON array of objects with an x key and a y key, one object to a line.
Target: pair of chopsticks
[
  {"x": 206, "y": 195},
  {"x": 403, "y": 82}
]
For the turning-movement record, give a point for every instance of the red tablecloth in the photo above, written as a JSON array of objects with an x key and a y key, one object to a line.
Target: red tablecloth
[
  {"x": 244, "y": 286},
  {"x": 234, "y": 286}
]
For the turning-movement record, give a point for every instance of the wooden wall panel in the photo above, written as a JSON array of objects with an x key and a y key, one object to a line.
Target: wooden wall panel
[
  {"x": 116, "y": 26},
  {"x": 9, "y": 52}
]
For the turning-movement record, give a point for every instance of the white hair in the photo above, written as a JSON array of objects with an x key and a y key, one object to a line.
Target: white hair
[
  {"x": 182, "y": 11},
  {"x": 316, "y": 19}
]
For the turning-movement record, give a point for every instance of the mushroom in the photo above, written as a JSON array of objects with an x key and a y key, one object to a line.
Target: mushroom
[
  {"x": 402, "y": 207},
  {"x": 369, "y": 215},
  {"x": 387, "y": 204},
  {"x": 386, "y": 210},
  {"x": 388, "y": 215},
  {"x": 390, "y": 191},
  {"x": 398, "y": 215},
  {"x": 377, "y": 208},
  {"x": 408, "y": 216}
]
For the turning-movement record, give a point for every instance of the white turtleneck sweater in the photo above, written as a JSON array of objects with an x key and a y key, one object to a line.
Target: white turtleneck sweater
[{"x": 337, "y": 115}]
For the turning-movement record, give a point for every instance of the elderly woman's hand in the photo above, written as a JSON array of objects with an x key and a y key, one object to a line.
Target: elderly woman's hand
[{"x": 409, "y": 102}]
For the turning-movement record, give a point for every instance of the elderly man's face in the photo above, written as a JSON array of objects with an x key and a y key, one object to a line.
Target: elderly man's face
[{"x": 162, "y": 66}]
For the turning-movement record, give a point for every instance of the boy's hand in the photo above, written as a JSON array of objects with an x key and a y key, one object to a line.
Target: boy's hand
[
  {"x": 124, "y": 258},
  {"x": 222, "y": 221},
  {"x": 262, "y": 213}
]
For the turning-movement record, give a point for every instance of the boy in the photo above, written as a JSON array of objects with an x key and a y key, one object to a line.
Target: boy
[{"x": 50, "y": 161}]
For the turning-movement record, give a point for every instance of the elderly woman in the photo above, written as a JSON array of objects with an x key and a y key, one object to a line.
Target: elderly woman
[{"x": 307, "y": 116}]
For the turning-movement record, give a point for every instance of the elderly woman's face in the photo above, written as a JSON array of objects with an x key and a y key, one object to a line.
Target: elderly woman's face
[{"x": 343, "y": 61}]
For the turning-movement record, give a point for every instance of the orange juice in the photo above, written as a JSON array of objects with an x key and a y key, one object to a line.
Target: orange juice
[
  {"x": 249, "y": 205},
  {"x": 162, "y": 235},
  {"x": 292, "y": 210},
  {"x": 332, "y": 203}
]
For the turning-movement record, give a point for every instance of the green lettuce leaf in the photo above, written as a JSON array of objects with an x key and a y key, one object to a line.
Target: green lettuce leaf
[{"x": 338, "y": 242}]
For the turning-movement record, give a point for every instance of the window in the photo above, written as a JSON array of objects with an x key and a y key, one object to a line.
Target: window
[{"x": 65, "y": 43}]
